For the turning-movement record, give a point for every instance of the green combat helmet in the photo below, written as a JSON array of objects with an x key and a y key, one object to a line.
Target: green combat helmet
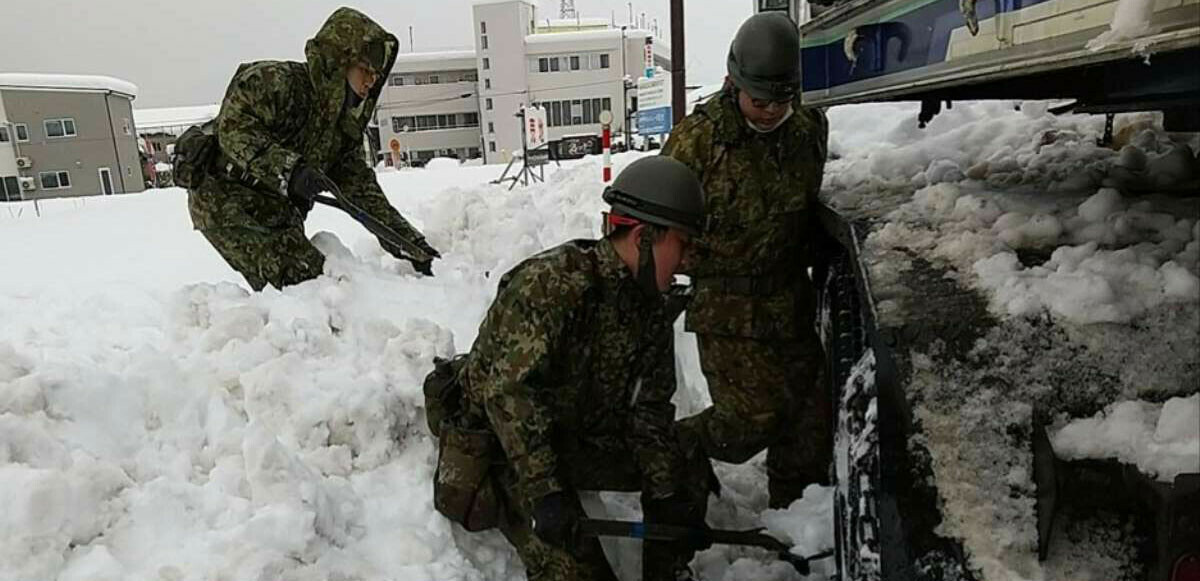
[
  {"x": 764, "y": 58},
  {"x": 660, "y": 191}
]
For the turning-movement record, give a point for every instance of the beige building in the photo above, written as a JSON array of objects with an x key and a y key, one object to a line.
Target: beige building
[
  {"x": 430, "y": 108},
  {"x": 67, "y": 135}
]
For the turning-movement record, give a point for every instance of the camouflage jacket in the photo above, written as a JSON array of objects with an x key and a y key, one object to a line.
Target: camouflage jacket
[
  {"x": 574, "y": 368},
  {"x": 760, "y": 196},
  {"x": 277, "y": 114}
]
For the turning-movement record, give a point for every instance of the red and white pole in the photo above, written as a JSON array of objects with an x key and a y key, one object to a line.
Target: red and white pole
[{"x": 606, "y": 140}]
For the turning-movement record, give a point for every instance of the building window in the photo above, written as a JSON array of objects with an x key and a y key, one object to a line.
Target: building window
[
  {"x": 4, "y": 137},
  {"x": 22, "y": 131},
  {"x": 488, "y": 104},
  {"x": 492, "y": 146},
  {"x": 434, "y": 79},
  {"x": 604, "y": 61},
  {"x": 470, "y": 76},
  {"x": 574, "y": 62},
  {"x": 396, "y": 80},
  {"x": 483, "y": 42},
  {"x": 554, "y": 64},
  {"x": 482, "y": 27},
  {"x": 59, "y": 128},
  {"x": 471, "y": 119},
  {"x": 606, "y": 104},
  {"x": 10, "y": 189},
  {"x": 543, "y": 65},
  {"x": 491, "y": 127},
  {"x": 487, "y": 64},
  {"x": 555, "y": 114},
  {"x": 487, "y": 83},
  {"x": 55, "y": 180}
]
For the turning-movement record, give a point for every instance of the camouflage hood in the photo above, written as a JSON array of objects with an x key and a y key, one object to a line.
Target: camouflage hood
[{"x": 346, "y": 38}]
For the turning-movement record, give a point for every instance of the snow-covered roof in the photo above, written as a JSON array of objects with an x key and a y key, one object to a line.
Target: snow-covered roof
[
  {"x": 174, "y": 116},
  {"x": 579, "y": 35},
  {"x": 568, "y": 22},
  {"x": 45, "y": 81},
  {"x": 409, "y": 58}
]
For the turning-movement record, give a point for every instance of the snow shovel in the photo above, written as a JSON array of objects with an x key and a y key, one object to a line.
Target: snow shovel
[
  {"x": 379, "y": 229},
  {"x": 590, "y": 527}
]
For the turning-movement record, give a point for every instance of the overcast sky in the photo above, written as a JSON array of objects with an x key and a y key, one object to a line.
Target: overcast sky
[{"x": 182, "y": 52}]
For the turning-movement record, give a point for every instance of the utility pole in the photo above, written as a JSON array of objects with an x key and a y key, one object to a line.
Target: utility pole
[
  {"x": 411, "y": 48},
  {"x": 678, "y": 64},
  {"x": 625, "y": 93}
]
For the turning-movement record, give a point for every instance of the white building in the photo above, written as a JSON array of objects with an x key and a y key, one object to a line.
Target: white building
[
  {"x": 465, "y": 103},
  {"x": 430, "y": 107}
]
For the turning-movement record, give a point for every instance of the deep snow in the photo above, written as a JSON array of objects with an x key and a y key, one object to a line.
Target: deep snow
[{"x": 158, "y": 421}]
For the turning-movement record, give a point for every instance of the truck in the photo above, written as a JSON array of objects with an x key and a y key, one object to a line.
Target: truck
[{"x": 892, "y": 342}]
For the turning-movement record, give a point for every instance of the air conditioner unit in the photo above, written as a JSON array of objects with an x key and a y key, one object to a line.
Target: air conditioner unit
[
  {"x": 24, "y": 162},
  {"x": 28, "y": 184}
]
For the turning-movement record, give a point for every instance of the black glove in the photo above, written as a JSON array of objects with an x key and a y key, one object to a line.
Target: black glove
[
  {"x": 423, "y": 267},
  {"x": 305, "y": 184},
  {"x": 555, "y": 519},
  {"x": 676, "y": 510}
]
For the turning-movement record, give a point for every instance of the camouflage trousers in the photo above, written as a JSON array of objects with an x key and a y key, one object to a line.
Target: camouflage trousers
[
  {"x": 767, "y": 394},
  {"x": 585, "y": 561},
  {"x": 276, "y": 256}
]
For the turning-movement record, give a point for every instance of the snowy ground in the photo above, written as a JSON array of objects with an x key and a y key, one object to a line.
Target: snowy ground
[{"x": 158, "y": 421}]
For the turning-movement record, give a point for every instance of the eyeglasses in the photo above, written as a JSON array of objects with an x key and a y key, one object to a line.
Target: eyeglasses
[
  {"x": 765, "y": 103},
  {"x": 613, "y": 221}
]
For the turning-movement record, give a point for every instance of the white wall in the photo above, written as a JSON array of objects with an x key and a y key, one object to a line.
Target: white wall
[{"x": 507, "y": 25}]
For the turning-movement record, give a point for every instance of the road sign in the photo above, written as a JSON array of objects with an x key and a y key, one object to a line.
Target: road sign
[{"x": 654, "y": 105}]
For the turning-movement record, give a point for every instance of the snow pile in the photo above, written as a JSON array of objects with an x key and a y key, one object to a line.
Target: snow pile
[
  {"x": 1109, "y": 260},
  {"x": 158, "y": 421},
  {"x": 1003, "y": 195},
  {"x": 807, "y": 524},
  {"x": 1071, "y": 272},
  {"x": 441, "y": 163},
  {"x": 1131, "y": 20},
  {"x": 1162, "y": 440}
]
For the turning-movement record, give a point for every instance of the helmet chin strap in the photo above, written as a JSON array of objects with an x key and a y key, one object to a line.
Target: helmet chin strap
[{"x": 647, "y": 273}]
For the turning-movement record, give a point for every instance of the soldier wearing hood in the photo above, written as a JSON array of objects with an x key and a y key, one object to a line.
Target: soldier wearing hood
[
  {"x": 288, "y": 131},
  {"x": 760, "y": 156}
]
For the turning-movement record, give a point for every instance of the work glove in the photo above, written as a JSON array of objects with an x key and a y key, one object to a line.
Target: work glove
[
  {"x": 676, "y": 510},
  {"x": 424, "y": 267},
  {"x": 304, "y": 185},
  {"x": 555, "y": 519},
  {"x": 422, "y": 264}
]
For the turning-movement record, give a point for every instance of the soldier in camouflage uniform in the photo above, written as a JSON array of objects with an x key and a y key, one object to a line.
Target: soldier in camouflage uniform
[
  {"x": 760, "y": 157},
  {"x": 286, "y": 132},
  {"x": 574, "y": 370}
]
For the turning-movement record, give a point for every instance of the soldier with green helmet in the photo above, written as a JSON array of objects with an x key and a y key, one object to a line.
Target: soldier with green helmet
[
  {"x": 572, "y": 375},
  {"x": 286, "y": 132},
  {"x": 760, "y": 156}
]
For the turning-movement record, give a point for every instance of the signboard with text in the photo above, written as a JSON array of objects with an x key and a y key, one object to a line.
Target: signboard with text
[{"x": 654, "y": 105}]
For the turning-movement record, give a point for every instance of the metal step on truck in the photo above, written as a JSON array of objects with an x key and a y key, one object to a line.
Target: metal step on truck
[{"x": 915, "y": 356}]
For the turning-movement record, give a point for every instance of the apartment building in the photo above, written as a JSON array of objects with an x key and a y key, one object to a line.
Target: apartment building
[
  {"x": 465, "y": 103},
  {"x": 430, "y": 108},
  {"x": 67, "y": 135}
]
